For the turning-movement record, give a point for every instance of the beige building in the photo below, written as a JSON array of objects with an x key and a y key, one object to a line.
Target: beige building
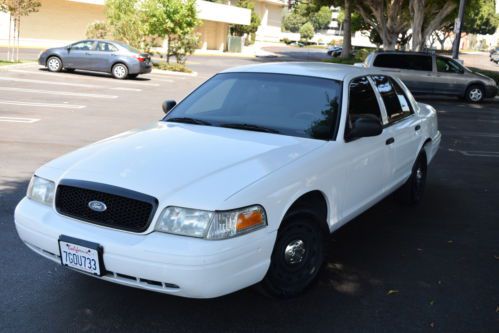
[{"x": 60, "y": 22}]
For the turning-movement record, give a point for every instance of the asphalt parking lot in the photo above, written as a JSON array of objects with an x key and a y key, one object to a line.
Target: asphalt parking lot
[{"x": 434, "y": 267}]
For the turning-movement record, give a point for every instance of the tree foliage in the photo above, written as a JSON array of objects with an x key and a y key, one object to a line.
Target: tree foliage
[
  {"x": 480, "y": 17},
  {"x": 126, "y": 19},
  {"x": 307, "y": 31},
  {"x": 97, "y": 30},
  {"x": 307, "y": 11}
]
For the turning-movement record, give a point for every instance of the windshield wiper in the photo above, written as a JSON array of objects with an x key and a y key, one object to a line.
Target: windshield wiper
[
  {"x": 188, "y": 120},
  {"x": 250, "y": 127}
]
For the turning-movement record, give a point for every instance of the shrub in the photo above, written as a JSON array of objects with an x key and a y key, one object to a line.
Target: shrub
[
  {"x": 172, "y": 67},
  {"x": 97, "y": 30},
  {"x": 307, "y": 31}
]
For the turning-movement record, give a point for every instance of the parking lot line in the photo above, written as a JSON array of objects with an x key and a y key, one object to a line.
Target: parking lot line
[
  {"x": 126, "y": 89},
  {"x": 48, "y": 105},
  {"x": 82, "y": 85},
  {"x": 19, "y": 120},
  {"x": 60, "y": 93}
]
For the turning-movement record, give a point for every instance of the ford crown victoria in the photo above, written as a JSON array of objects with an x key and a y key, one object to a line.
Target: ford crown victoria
[{"x": 239, "y": 184}]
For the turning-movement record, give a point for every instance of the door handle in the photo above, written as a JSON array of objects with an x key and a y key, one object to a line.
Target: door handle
[
  {"x": 417, "y": 128},
  {"x": 390, "y": 141},
  {"x": 113, "y": 55}
]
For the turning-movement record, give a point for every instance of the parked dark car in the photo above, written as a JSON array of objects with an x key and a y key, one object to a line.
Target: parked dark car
[
  {"x": 116, "y": 58},
  {"x": 428, "y": 73},
  {"x": 334, "y": 51}
]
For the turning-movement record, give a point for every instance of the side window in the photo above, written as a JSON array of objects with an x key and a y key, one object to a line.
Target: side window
[
  {"x": 106, "y": 47},
  {"x": 396, "y": 102},
  {"x": 83, "y": 46},
  {"x": 362, "y": 101},
  {"x": 414, "y": 62},
  {"x": 445, "y": 65}
]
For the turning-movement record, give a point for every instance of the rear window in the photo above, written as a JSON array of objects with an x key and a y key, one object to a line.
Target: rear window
[{"x": 404, "y": 61}]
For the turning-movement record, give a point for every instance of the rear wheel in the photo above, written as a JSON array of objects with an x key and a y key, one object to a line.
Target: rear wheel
[
  {"x": 475, "y": 94},
  {"x": 412, "y": 191},
  {"x": 297, "y": 256},
  {"x": 54, "y": 64},
  {"x": 120, "y": 71}
]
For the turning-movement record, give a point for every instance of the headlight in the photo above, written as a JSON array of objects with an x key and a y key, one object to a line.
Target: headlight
[
  {"x": 211, "y": 225},
  {"x": 41, "y": 190}
]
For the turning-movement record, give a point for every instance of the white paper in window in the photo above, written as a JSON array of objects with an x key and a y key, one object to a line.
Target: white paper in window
[{"x": 403, "y": 103}]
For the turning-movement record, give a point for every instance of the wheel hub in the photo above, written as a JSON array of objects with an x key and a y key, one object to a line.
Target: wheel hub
[
  {"x": 294, "y": 252},
  {"x": 475, "y": 94}
]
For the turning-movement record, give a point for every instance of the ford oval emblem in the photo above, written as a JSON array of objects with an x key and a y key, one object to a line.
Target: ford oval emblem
[{"x": 97, "y": 206}]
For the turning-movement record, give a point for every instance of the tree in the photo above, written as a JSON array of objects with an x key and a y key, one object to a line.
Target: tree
[
  {"x": 307, "y": 31},
  {"x": 389, "y": 17},
  {"x": 169, "y": 19},
  {"x": 250, "y": 30},
  {"x": 17, "y": 9},
  {"x": 293, "y": 22},
  {"x": 322, "y": 18},
  {"x": 428, "y": 16},
  {"x": 97, "y": 30},
  {"x": 480, "y": 17},
  {"x": 126, "y": 19}
]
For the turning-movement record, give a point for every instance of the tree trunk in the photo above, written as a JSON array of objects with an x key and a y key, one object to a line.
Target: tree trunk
[
  {"x": 416, "y": 8},
  {"x": 10, "y": 37},
  {"x": 18, "y": 36},
  {"x": 347, "y": 31},
  {"x": 168, "y": 50}
]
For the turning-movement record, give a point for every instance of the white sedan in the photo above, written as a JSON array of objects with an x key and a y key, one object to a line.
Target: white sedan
[{"x": 238, "y": 184}]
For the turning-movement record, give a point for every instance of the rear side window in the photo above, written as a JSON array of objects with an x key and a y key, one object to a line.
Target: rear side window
[
  {"x": 396, "y": 103},
  {"x": 106, "y": 47},
  {"x": 404, "y": 61}
]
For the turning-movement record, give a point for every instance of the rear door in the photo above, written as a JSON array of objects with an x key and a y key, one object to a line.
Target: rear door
[
  {"x": 403, "y": 129},
  {"x": 415, "y": 70},
  {"x": 78, "y": 56},
  {"x": 102, "y": 57}
]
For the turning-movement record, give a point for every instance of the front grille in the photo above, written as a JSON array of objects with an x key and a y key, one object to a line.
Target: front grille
[{"x": 125, "y": 209}]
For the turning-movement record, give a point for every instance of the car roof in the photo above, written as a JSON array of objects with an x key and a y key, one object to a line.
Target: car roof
[
  {"x": 313, "y": 69},
  {"x": 427, "y": 53}
]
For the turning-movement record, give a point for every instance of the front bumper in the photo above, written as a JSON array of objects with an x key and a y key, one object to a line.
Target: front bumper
[
  {"x": 177, "y": 265},
  {"x": 490, "y": 91}
]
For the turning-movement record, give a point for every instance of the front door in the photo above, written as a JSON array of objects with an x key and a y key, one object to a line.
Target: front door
[
  {"x": 367, "y": 160},
  {"x": 449, "y": 78},
  {"x": 78, "y": 56}
]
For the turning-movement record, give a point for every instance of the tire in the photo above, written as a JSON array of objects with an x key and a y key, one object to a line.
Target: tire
[
  {"x": 412, "y": 191},
  {"x": 475, "y": 93},
  {"x": 297, "y": 256},
  {"x": 132, "y": 76},
  {"x": 119, "y": 71},
  {"x": 54, "y": 64}
]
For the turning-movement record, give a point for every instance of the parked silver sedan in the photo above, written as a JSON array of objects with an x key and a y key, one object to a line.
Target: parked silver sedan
[{"x": 107, "y": 56}]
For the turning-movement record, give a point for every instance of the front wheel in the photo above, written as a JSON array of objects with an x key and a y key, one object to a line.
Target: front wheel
[
  {"x": 120, "y": 71},
  {"x": 54, "y": 64},
  {"x": 297, "y": 256},
  {"x": 475, "y": 94}
]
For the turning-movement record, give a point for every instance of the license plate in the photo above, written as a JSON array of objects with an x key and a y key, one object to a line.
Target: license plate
[{"x": 81, "y": 255}]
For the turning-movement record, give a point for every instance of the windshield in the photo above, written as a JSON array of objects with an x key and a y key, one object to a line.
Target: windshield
[{"x": 275, "y": 103}]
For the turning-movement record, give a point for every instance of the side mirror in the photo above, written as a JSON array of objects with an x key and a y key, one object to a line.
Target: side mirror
[
  {"x": 364, "y": 126},
  {"x": 168, "y": 105}
]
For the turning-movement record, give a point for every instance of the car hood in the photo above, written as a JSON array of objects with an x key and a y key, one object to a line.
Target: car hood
[{"x": 184, "y": 164}]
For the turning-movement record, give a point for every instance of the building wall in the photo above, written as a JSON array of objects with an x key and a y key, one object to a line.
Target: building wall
[
  {"x": 271, "y": 15},
  {"x": 60, "y": 20},
  {"x": 213, "y": 35}
]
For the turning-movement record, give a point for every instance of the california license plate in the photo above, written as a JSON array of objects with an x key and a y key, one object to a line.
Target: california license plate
[{"x": 81, "y": 255}]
